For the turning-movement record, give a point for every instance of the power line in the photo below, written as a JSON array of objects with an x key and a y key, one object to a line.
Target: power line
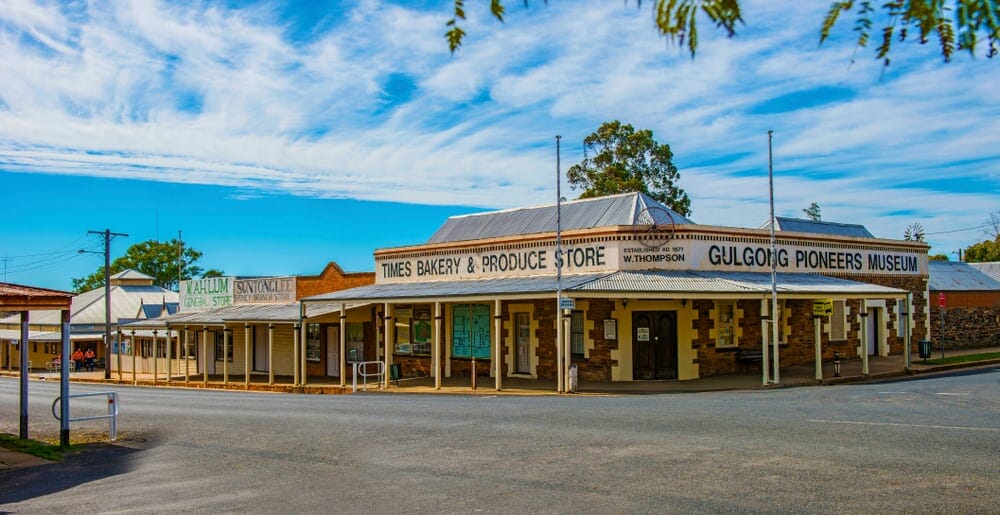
[{"x": 959, "y": 230}]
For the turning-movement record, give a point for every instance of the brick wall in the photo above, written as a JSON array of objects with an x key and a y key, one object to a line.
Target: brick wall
[{"x": 332, "y": 278}]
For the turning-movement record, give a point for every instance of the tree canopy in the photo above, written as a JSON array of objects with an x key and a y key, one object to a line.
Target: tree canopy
[
  {"x": 155, "y": 259},
  {"x": 619, "y": 159},
  {"x": 957, "y": 25},
  {"x": 988, "y": 250},
  {"x": 813, "y": 212}
]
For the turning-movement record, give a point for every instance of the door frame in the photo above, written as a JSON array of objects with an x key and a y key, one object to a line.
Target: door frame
[{"x": 664, "y": 355}]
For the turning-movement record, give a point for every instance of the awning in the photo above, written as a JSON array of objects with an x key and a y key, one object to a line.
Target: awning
[
  {"x": 285, "y": 313},
  {"x": 676, "y": 284}
]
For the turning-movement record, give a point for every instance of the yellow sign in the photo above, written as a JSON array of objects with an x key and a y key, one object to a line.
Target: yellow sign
[{"x": 823, "y": 307}]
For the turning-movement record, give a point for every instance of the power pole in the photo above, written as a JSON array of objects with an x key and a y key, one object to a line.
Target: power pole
[
  {"x": 107, "y": 235},
  {"x": 180, "y": 260}
]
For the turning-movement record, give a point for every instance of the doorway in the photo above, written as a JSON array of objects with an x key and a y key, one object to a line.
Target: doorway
[
  {"x": 874, "y": 338},
  {"x": 333, "y": 351},
  {"x": 523, "y": 353},
  {"x": 260, "y": 354},
  {"x": 654, "y": 345}
]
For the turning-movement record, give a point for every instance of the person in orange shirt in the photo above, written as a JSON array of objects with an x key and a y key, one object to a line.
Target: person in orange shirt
[
  {"x": 77, "y": 358},
  {"x": 88, "y": 358}
]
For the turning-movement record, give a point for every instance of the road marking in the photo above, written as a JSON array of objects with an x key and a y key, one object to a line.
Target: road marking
[
  {"x": 892, "y": 393},
  {"x": 895, "y": 424},
  {"x": 946, "y": 393}
]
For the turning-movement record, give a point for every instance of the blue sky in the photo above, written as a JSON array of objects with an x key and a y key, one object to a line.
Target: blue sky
[{"x": 279, "y": 139}]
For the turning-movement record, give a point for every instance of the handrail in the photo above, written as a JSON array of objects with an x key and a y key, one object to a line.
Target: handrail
[
  {"x": 112, "y": 415},
  {"x": 361, "y": 368}
]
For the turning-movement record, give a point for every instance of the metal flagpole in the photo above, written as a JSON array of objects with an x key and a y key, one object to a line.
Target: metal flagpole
[
  {"x": 560, "y": 379},
  {"x": 774, "y": 260}
]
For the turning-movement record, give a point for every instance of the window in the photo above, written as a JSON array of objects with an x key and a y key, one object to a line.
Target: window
[
  {"x": 470, "y": 331},
  {"x": 576, "y": 335},
  {"x": 355, "y": 341},
  {"x": 725, "y": 323},
  {"x": 314, "y": 338},
  {"x": 421, "y": 331},
  {"x": 402, "y": 326},
  {"x": 221, "y": 350},
  {"x": 900, "y": 318},
  {"x": 838, "y": 322}
]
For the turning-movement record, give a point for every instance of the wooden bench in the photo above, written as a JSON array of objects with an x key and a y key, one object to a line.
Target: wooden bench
[{"x": 748, "y": 356}]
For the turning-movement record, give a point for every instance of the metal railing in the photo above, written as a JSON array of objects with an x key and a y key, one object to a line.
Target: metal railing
[
  {"x": 112, "y": 415},
  {"x": 362, "y": 368}
]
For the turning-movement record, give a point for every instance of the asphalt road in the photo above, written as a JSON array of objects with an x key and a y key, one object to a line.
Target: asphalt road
[{"x": 927, "y": 445}]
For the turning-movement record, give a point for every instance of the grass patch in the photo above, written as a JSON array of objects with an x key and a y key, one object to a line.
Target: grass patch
[
  {"x": 964, "y": 358},
  {"x": 43, "y": 450}
]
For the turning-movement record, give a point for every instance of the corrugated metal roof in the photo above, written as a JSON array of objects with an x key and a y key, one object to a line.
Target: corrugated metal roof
[
  {"x": 730, "y": 282},
  {"x": 991, "y": 268},
  {"x": 609, "y": 211},
  {"x": 672, "y": 282},
  {"x": 820, "y": 227},
  {"x": 88, "y": 307},
  {"x": 131, "y": 274},
  {"x": 464, "y": 288},
  {"x": 958, "y": 276}
]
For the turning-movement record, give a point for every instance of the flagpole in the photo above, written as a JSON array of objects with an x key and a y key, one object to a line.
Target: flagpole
[
  {"x": 560, "y": 378},
  {"x": 774, "y": 262}
]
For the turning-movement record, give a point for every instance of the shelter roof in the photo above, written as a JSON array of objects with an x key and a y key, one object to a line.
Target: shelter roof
[
  {"x": 17, "y": 297},
  {"x": 959, "y": 276},
  {"x": 819, "y": 227},
  {"x": 669, "y": 283},
  {"x": 609, "y": 211},
  {"x": 991, "y": 268},
  {"x": 88, "y": 307}
]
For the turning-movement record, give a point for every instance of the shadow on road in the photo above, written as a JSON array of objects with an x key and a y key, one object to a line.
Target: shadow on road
[{"x": 95, "y": 461}]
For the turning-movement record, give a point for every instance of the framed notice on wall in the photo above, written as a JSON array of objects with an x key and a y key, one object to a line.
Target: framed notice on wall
[{"x": 610, "y": 329}]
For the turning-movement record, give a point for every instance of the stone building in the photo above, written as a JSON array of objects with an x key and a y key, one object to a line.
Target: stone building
[
  {"x": 965, "y": 305},
  {"x": 621, "y": 288}
]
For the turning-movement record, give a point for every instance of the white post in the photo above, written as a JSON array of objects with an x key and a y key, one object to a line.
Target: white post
[
  {"x": 908, "y": 334},
  {"x": 227, "y": 336},
  {"x": 302, "y": 352},
  {"x": 296, "y": 375},
  {"x": 186, "y": 353},
  {"x": 559, "y": 349},
  {"x": 436, "y": 356},
  {"x": 764, "y": 344},
  {"x": 817, "y": 321},
  {"x": 865, "y": 336},
  {"x": 246, "y": 355},
  {"x": 343, "y": 345},
  {"x": 132, "y": 346},
  {"x": 170, "y": 354},
  {"x": 387, "y": 335},
  {"x": 270, "y": 354},
  {"x": 155, "y": 356},
  {"x": 204, "y": 355},
  {"x": 498, "y": 322}
]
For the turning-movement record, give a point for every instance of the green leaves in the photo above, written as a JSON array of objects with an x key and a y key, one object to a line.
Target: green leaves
[
  {"x": 932, "y": 19},
  {"x": 156, "y": 259},
  {"x": 625, "y": 160},
  {"x": 678, "y": 19}
]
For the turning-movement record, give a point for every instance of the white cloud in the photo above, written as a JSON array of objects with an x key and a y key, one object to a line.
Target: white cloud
[{"x": 104, "y": 94}]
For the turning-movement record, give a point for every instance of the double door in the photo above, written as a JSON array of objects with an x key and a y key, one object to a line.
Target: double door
[{"x": 654, "y": 345}]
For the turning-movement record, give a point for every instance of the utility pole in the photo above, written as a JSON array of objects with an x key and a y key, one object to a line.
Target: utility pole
[
  {"x": 107, "y": 235},
  {"x": 180, "y": 260}
]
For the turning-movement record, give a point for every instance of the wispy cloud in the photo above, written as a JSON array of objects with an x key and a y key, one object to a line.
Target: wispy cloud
[{"x": 368, "y": 104}]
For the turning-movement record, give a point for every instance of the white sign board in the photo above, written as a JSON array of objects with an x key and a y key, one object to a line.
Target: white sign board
[
  {"x": 207, "y": 293},
  {"x": 264, "y": 290}
]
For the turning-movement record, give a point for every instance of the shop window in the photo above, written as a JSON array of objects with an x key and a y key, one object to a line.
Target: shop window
[
  {"x": 838, "y": 322},
  {"x": 421, "y": 331},
  {"x": 403, "y": 317},
  {"x": 576, "y": 335},
  {"x": 470, "y": 331},
  {"x": 355, "y": 341},
  {"x": 314, "y": 336},
  {"x": 725, "y": 323},
  {"x": 221, "y": 350}
]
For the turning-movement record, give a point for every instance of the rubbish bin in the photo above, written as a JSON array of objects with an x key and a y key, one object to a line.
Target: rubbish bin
[
  {"x": 395, "y": 372},
  {"x": 924, "y": 347},
  {"x": 573, "y": 375}
]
